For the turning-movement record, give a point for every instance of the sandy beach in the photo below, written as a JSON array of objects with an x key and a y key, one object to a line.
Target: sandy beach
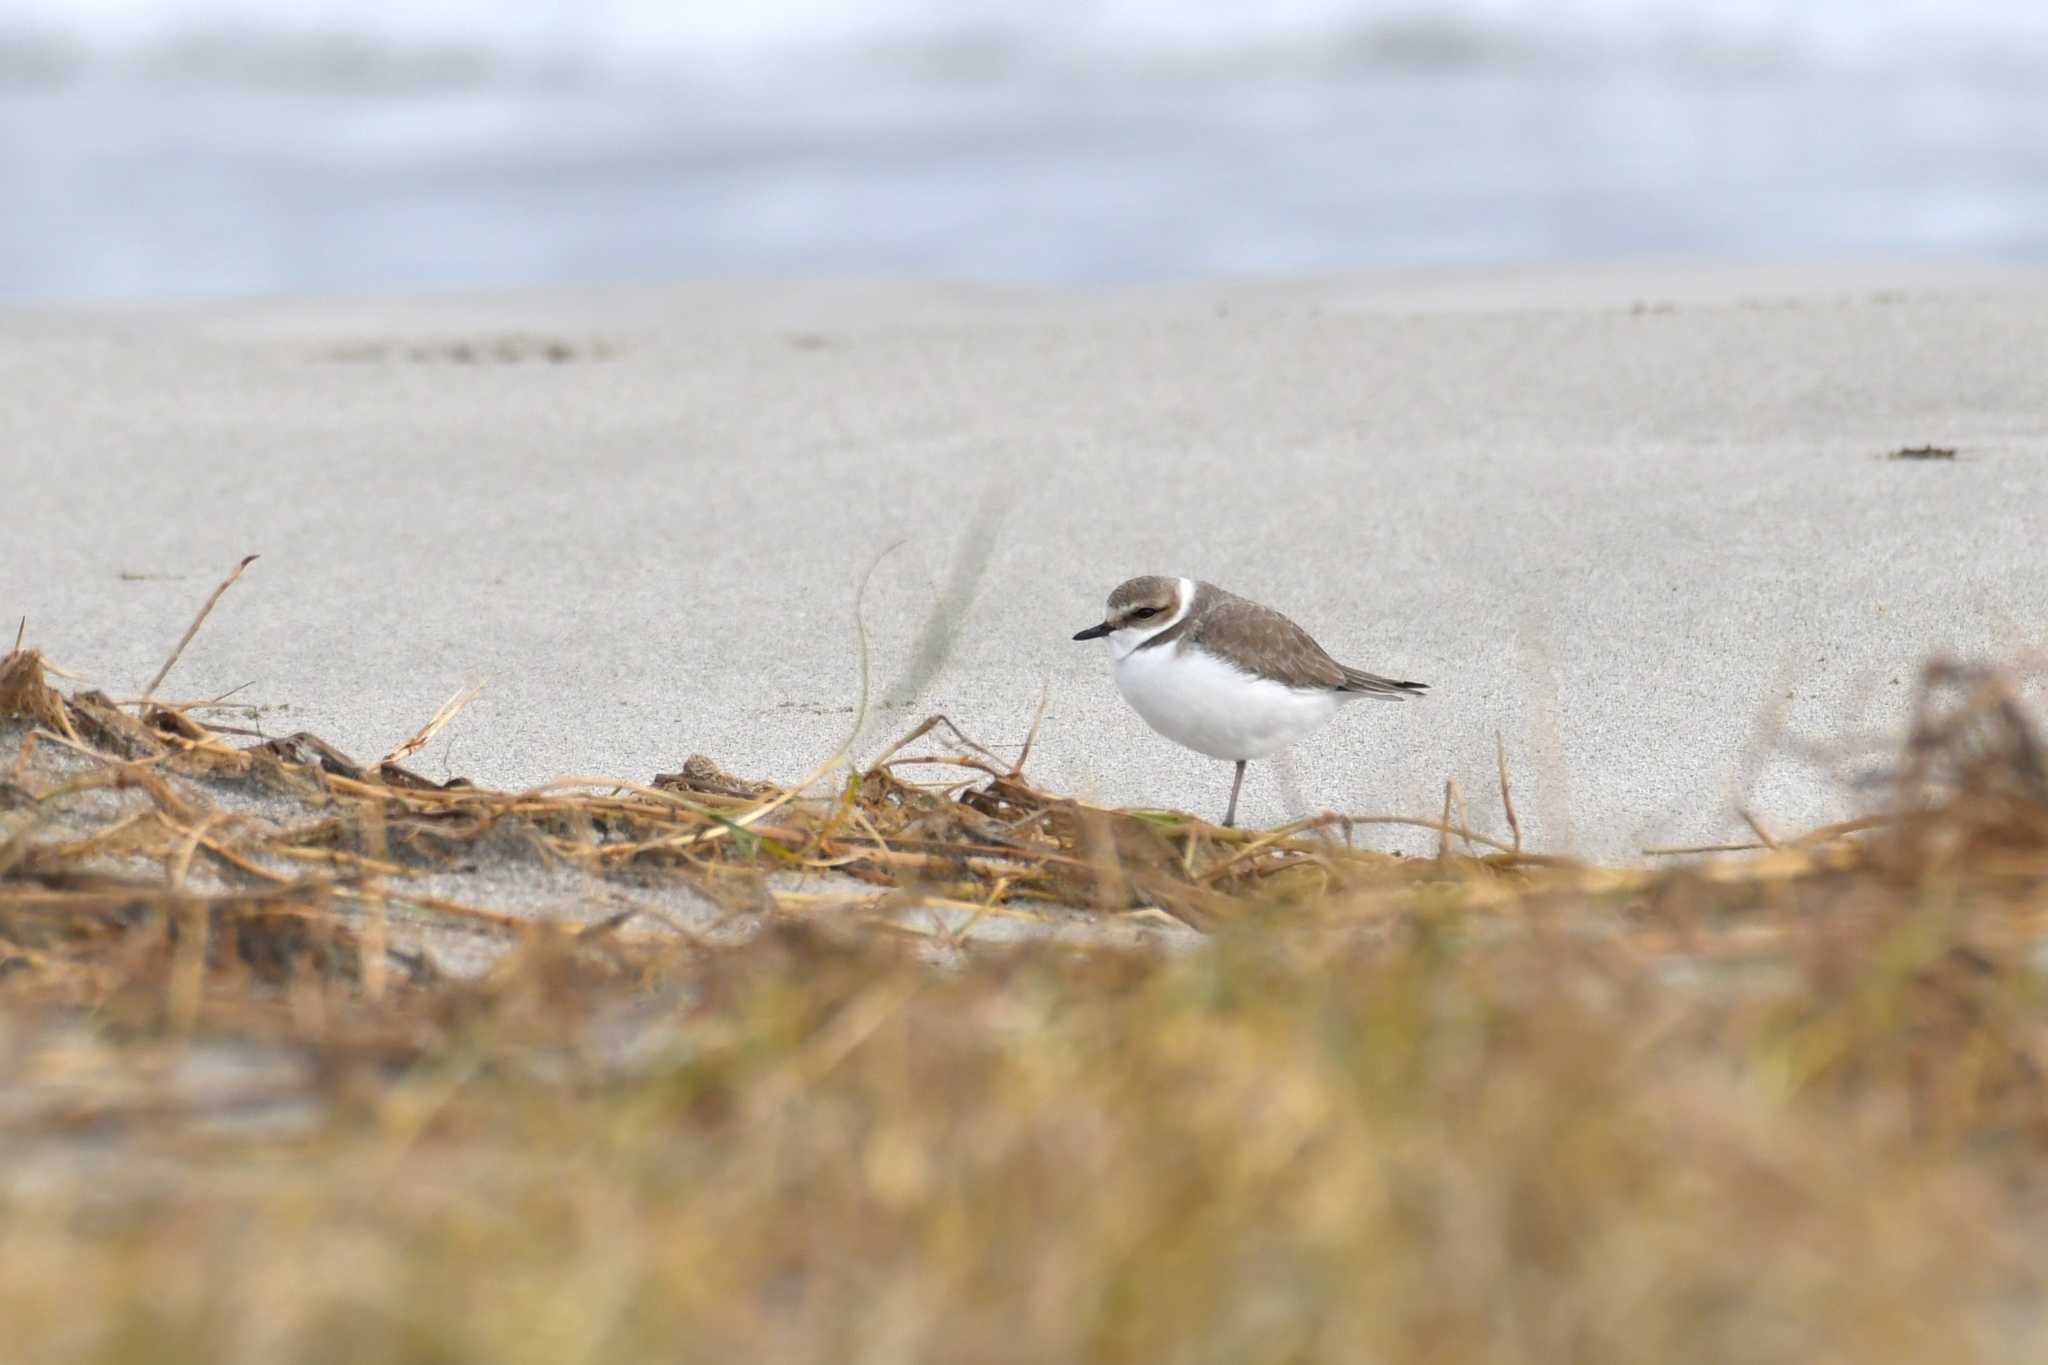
[
  {"x": 288, "y": 1070},
  {"x": 1640, "y": 522}
]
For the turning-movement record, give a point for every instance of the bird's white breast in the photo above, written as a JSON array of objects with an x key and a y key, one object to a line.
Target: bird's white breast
[{"x": 1213, "y": 707}]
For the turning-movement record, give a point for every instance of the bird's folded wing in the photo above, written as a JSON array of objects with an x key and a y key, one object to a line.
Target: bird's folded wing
[{"x": 1246, "y": 632}]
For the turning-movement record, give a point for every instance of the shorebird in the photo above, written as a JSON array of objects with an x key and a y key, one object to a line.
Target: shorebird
[{"x": 1222, "y": 675}]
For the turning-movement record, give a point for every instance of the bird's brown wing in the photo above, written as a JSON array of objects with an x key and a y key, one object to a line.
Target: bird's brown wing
[{"x": 1285, "y": 653}]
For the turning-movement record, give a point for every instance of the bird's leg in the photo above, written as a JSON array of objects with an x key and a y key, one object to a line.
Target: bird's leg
[{"x": 1230, "y": 816}]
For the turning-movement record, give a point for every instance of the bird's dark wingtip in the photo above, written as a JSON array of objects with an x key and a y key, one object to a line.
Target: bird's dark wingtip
[{"x": 1387, "y": 689}]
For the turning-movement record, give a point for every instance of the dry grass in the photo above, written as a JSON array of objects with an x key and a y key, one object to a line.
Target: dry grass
[{"x": 1487, "y": 1106}]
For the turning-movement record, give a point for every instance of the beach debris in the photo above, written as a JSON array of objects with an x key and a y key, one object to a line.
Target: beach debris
[
  {"x": 26, "y": 694},
  {"x": 700, "y": 774},
  {"x": 506, "y": 348},
  {"x": 193, "y": 629},
  {"x": 446, "y": 712}
]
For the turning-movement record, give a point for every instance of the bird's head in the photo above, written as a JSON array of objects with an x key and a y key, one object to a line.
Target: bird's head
[{"x": 1138, "y": 609}]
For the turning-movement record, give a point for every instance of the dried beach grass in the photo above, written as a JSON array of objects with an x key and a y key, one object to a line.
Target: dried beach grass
[{"x": 1489, "y": 1105}]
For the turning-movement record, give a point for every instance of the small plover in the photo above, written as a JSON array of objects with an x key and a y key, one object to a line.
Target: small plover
[{"x": 1224, "y": 676}]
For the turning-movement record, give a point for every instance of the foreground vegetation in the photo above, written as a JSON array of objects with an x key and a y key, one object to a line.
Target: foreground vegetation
[{"x": 1486, "y": 1106}]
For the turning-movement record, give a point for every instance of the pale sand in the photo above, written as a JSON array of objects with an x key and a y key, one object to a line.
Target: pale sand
[{"x": 1629, "y": 518}]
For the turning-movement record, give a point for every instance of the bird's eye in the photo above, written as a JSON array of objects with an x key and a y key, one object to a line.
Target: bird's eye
[{"x": 1145, "y": 613}]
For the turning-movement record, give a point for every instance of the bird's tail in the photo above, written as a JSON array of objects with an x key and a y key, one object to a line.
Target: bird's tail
[{"x": 1384, "y": 689}]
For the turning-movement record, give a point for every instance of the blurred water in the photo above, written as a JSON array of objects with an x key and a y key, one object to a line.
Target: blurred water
[{"x": 155, "y": 147}]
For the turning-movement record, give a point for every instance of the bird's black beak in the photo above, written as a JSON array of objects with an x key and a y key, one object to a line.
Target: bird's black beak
[{"x": 1093, "y": 632}]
